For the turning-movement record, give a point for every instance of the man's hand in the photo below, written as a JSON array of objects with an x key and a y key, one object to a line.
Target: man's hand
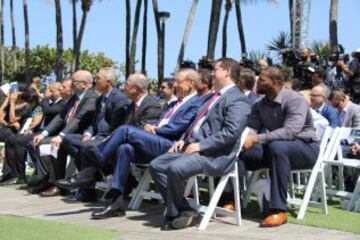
[
  {"x": 56, "y": 141},
  {"x": 250, "y": 141},
  {"x": 150, "y": 128},
  {"x": 85, "y": 137},
  {"x": 37, "y": 139},
  {"x": 28, "y": 132},
  {"x": 16, "y": 125},
  {"x": 192, "y": 148},
  {"x": 355, "y": 148},
  {"x": 177, "y": 146}
]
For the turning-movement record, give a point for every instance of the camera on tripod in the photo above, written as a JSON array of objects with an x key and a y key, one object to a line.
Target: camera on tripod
[
  {"x": 206, "y": 63},
  {"x": 339, "y": 55}
]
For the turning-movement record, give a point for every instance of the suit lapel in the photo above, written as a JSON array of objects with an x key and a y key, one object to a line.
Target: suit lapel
[{"x": 142, "y": 107}]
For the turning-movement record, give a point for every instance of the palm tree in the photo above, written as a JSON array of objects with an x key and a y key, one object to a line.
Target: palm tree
[
  {"x": 292, "y": 19},
  {"x": 297, "y": 22},
  {"x": 74, "y": 22},
  {"x": 240, "y": 26},
  {"x": 160, "y": 47},
  {"x": 143, "y": 50},
  {"x": 321, "y": 49},
  {"x": 228, "y": 6},
  {"x": 280, "y": 42},
  {"x": 13, "y": 34},
  {"x": 186, "y": 33},
  {"x": 85, "y": 7},
  {"x": 27, "y": 42},
  {"x": 2, "y": 50},
  {"x": 127, "y": 38},
  {"x": 134, "y": 36},
  {"x": 257, "y": 55},
  {"x": 59, "y": 42},
  {"x": 333, "y": 25},
  {"x": 213, "y": 27}
]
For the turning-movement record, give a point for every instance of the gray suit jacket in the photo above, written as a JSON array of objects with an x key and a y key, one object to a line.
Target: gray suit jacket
[
  {"x": 352, "y": 116},
  {"x": 220, "y": 131}
]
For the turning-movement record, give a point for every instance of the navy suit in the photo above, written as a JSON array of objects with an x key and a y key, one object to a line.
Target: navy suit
[
  {"x": 110, "y": 113},
  {"x": 252, "y": 97},
  {"x": 130, "y": 144},
  {"x": 331, "y": 114}
]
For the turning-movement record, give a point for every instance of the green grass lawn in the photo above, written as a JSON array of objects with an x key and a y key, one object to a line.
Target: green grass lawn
[{"x": 16, "y": 228}]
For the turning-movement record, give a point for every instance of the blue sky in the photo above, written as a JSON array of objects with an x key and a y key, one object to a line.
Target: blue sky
[{"x": 105, "y": 28}]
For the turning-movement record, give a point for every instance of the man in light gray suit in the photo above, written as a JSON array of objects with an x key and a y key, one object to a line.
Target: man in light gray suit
[
  {"x": 349, "y": 112},
  {"x": 208, "y": 145}
]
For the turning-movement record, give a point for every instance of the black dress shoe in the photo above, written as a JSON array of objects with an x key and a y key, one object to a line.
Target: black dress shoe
[
  {"x": 75, "y": 182},
  {"x": 5, "y": 177},
  {"x": 86, "y": 195},
  {"x": 11, "y": 181},
  {"x": 167, "y": 224},
  {"x": 185, "y": 219},
  {"x": 38, "y": 189},
  {"x": 108, "y": 212}
]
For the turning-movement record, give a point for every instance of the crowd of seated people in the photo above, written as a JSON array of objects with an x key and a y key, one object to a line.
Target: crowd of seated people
[{"x": 193, "y": 129}]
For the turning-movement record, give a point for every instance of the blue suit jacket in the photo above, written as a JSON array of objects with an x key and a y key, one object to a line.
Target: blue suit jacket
[
  {"x": 181, "y": 119},
  {"x": 252, "y": 97},
  {"x": 331, "y": 114}
]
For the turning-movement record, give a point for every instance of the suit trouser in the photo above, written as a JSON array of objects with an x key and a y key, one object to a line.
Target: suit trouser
[
  {"x": 15, "y": 155},
  {"x": 280, "y": 157},
  {"x": 170, "y": 172},
  {"x": 136, "y": 146}
]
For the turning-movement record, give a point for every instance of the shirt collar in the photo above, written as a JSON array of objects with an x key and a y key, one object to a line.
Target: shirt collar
[
  {"x": 172, "y": 99},
  {"x": 107, "y": 94},
  {"x": 138, "y": 102},
  {"x": 188, "y": 97},
  {"x": 280, "y": 97},
  {"x": 226, "y": 88},
  {"x": 246, "y": 93},
  {"x": 81, "y": 96},
  {"x": 321, "y": 107},
  {"x": 346, "y": 107}
]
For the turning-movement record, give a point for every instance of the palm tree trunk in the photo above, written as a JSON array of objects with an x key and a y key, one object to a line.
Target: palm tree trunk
[
  {"x": 213, "y": 27},
  {"x": 333, "y": 26},
  {"x": 134, "y": 36},
  {"x": 143, "y": 55},
  {"x": 186, "y": 33},
  {"x": 74, "y": 22},
  {"x": 2, "y": 50},
  {"x": 59, "y": 42},
  {"x": 228, "y": 6},
  {"x": 292, "y": 19},
  {"x": 240, "y": 26},
  {"x": 158, "y": 31},
  {"x": 297, "y": 22},
  {"x": 127, "y": 41},
  {"x": 27, "y": 42},
  {"x": 12, "y": 18}
]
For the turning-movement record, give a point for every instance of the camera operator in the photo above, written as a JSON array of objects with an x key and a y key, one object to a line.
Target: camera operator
[{"x": 353, "y": 72}]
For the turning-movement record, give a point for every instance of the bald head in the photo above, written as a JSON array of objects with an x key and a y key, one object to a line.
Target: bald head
[
  {"x": 317, "y": 97},
  {"x": 139, "y": 80},
  {"x": 82, "y": 81}
]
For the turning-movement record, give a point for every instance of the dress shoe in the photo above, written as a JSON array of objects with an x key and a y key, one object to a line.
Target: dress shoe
[
  {"x": 86, "y": 195},
  {"x": 185, "y": 219},
  {"x": 230, "y": 206},
  {"x": 75, "y": 182},
  {"x": 38, "y": 189},
  {"x": 51, "y": 192},
  {"x": 108, "y": 212},
  {"x": 274, "y": 220},
  {"x": 5, "y": 177},
  {"x": 11, "y": 181},
  {"x": 33, "y": 181}
]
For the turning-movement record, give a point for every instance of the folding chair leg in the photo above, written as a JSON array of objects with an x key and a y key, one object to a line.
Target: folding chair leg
[
  {"x": 189, "y": 186},
  {"x": 213, "y": 202},
  {"x": 249, "y": 189},
  {"x": 143, "y": 185},
  {"x": 355, "y": 196},
  {"x": 235, "y": 180}
]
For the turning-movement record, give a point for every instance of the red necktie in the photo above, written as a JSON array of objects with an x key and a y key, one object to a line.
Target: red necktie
[
  {"x": 202, "y": 114},
  {"x": 74, "y": 111},
  {"x": 168, "y": 114}
]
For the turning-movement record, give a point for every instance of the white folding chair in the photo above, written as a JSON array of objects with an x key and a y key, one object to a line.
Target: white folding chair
[
  {"x": 212, "y": 209},
  {"x": 341, "y": 162}
]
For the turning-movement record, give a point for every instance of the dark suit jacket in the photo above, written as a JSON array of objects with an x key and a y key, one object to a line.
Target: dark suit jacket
[
  {"x": 51, "y": 110},
  {"x": 83, "y": 118},
  {"x": 220, "y": 131},
  {"x": 331, "y": 114},
  {"x": 181, "y": 119},
  {"x": 114, "y": 115},
  {"x": 148, "y": 113}
]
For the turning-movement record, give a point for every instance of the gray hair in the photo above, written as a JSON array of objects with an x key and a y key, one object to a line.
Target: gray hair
[
  {"x": 55, "y": 85},
  {"x": 139, "y": 80},
  {"x": 190, "y": 75},
  {"x": 84, "y": 75},
  {"x": 110, "y": 74}
]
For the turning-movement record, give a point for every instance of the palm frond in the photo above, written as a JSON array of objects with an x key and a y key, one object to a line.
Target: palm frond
[{"x": 282, "y": 41}]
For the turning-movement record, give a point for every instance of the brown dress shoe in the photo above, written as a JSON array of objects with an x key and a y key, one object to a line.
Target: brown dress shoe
[
  {"x": 229, "y": 206},
  {"x": 274, "y": 220},
  {"x": 51, "y": 192}
]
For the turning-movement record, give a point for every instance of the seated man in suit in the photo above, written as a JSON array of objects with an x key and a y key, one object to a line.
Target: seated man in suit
[
  {"x": 246, "y": 84},
  {"x": 319, "y": 103},
  {"x": 289, "y": 141},
  {"x": 208, "y": 146},
  {"x": 349, "y": 112},
  {"x": 16, "y": 145},
  {"x": 130, "y": 144},
  {"x": 75, "y": 118},
  {"x": 110, "y": 112}
]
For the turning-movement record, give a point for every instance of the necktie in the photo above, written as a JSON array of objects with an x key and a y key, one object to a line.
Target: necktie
[
  {"x": 74, "y": 111},
  {"x": 136, "y": 108},
  {"x": 165, "y": 119},
  {"x": 202, "y": 114}
]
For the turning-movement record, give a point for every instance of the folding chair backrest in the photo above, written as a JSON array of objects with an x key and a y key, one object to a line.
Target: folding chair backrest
[{"x": 242, "y": 140}]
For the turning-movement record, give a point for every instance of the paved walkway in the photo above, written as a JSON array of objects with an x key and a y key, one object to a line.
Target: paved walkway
[{"x": 145, "y": 224}]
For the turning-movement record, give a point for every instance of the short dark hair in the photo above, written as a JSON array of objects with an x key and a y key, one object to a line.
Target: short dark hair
[
  {"x": 275, "y": 74},
  {"x": 248, "y": 77},
  {"x": 232, "y": 65},
  {"x": 205, "y": 76},
  {"x": 321, "y": 73},
  {"x": 169, "y": 81}
]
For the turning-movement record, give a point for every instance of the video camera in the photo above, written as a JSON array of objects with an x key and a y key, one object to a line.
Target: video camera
[
  {"x": 206, "y": 63},
  {"x": 339, "y": 55},
  {"x": 188, "y": 64}
]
